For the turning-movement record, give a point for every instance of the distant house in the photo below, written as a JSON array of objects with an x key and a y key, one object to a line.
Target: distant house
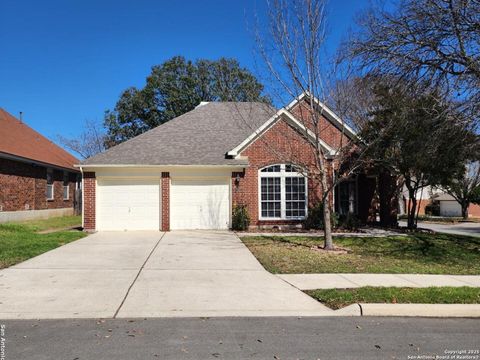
[
  {"x": 37, "y": 177},
  {"x": 451, "y": 207},
  {"x": 446, "y": 205}
]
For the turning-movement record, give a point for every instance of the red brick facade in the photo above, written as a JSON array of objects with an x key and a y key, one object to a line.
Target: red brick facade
[
  {"x": 165, "y": 201},
  {"x": 474, "y": 211},
  {"x": 89, "y": 200},
  {"x": 23, "y": 187},
  {"x": 278, "y": 145},
  {"x": 329, "y": 132}
]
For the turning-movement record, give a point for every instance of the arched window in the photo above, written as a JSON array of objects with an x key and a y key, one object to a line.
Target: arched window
[{"x": 282, "y": 193}]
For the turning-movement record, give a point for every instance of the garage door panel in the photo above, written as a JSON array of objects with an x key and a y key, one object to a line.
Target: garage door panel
[
  {"x": 128, "y": 204},
  {"x": 200, "y": 204}
]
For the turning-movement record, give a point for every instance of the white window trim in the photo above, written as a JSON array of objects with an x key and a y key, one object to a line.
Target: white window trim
[
  {"x": 67, "y": 178},
  {"x": 50, "y": 172},
  {"x": 68, "y": 192},
  {"x": 282, "y": 175},
  {"x": 53, "y": 193}
]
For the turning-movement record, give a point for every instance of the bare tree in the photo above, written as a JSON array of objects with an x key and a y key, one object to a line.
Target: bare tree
[
  {"x": 293, "y": 49},
  {"x": 426, "y": 42},
  {"x": 91, "y": 140},
  {"x": 465, "y": 189}
]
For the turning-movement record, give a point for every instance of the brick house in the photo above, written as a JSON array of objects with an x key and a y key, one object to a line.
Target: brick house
[
  {"x": 37, "y": 177},
  {"x": 190, "y": 172}
]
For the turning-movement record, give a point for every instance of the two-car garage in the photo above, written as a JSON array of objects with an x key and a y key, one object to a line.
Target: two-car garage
[{"x": 135, "y": 203}]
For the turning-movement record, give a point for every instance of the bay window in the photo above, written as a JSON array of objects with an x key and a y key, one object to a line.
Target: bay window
[{"x": 282, "y": 193}]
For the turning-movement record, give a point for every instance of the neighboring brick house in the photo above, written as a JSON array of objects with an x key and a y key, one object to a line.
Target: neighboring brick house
[
  {"x": 189, "y": 173},
  {"x": 37, "y": 177}
]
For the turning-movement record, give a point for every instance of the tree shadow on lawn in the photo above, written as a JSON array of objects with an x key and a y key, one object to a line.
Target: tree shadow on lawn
[{"x": 426, "y": 248}]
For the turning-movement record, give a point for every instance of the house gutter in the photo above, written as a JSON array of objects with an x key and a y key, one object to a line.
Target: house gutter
[{"x": 158, "y": 166}]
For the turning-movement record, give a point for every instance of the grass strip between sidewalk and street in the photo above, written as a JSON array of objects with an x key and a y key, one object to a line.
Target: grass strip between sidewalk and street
[
  {"x": 418, "y": 253},
  {"x": 21, "y": 241},
  {"x": 339, "y": 298}
]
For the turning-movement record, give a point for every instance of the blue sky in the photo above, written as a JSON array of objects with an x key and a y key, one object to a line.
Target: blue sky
[{"x": 62, "y": 62}]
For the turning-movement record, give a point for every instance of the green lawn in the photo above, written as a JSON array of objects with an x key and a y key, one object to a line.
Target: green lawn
[
  {"x": 60, "y": 222},
  {"x": 418, "y": 254},
  {"x": 20, "y": 241},
  {"x": 338, "y": 298}
]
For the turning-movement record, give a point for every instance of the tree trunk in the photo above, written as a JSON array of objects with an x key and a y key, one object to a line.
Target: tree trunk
[
  {"x": 465, "y": 210},
  {"x": 327, "y": 225},
  {"x": 412, "y": 214}
]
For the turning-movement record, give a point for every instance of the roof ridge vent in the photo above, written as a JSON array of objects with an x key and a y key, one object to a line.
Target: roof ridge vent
[{"x": 202, "y": 103}]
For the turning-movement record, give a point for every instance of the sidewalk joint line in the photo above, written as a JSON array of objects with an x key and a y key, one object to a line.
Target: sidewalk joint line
[
  {"x": 136, "y": 277},
  {"x": 405, "y": 278},
  {"x": 345, "y": 277}
]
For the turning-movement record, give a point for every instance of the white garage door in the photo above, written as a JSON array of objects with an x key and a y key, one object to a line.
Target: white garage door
[
  {"x": 200, "y": 203},
  {"x": 450, "y": 208},
  {"x": 128, "y": 204}
]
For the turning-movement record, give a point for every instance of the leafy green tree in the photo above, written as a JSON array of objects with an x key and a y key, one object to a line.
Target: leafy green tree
[
  {"x": 417, "y": 137},
  {"x": 176, "y": 87},
  {"x": 475, "y": 195}
]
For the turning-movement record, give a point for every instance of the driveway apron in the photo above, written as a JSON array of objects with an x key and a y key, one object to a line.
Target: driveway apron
[
  {"x": 149, "y": 274},
  {"x": 211, "y": 273}
]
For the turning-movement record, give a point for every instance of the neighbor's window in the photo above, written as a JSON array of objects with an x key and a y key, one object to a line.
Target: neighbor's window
[
  {"x": 66, "y": 189},
  {"x": 283, "y": 193},
  {"x": 49, "y": 191}
]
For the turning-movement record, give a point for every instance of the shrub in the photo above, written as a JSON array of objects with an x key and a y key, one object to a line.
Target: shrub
[
  {"x": 240, "y": 218},
  {"x": 433, "y": 209},
  {"x": 314, "y": 219},
  {"x": 349, "y": 222}
]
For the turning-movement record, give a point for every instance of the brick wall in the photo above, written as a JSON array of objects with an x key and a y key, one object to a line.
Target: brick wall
[
  {"x": 474, "y": 211},
  {"x": 332, "y": 135},
  {"x": 165, "y": 201},
  {"x": 89, "y": 198},
  {"x": 280, "y": 144},
  {"x": 23, "y": 187}
]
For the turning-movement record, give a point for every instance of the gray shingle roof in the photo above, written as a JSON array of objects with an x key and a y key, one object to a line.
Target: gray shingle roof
[{"x": 200, "y": 137}]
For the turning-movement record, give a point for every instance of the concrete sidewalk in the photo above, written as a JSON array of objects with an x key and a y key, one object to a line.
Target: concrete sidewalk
[{"x": 345, "y": 281}]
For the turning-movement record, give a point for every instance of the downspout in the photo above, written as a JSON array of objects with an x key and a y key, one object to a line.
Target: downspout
[{"x": 83, "y": 202}]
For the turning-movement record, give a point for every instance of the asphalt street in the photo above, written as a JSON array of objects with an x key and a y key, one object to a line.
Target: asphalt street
[{"x": 240, "y": 338}]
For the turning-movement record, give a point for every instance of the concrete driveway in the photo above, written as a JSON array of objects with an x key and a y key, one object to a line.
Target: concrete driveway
[{"x": 149, "y": 274}]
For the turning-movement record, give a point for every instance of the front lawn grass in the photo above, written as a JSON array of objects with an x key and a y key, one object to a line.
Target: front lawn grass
[
  {"x": 338, "y": 298},
  {"x": 417, "y": 253},
  {"x": 59, "y": 222},
  {"x": 20, "y": 241}
]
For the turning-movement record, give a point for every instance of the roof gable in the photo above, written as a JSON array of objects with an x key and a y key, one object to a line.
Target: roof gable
[
  {"x": 329, "y": 114},
  {"x": 282, "y": 114},
  {"x": 285, "y": 114},
  {"x": 19, "y": 140}
]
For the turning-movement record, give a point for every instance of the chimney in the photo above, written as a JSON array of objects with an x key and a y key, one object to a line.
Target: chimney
[{"x": 21, "y": 116}]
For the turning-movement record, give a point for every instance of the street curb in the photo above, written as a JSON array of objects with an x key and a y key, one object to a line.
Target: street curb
[{"x": 419, "y": 310}]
